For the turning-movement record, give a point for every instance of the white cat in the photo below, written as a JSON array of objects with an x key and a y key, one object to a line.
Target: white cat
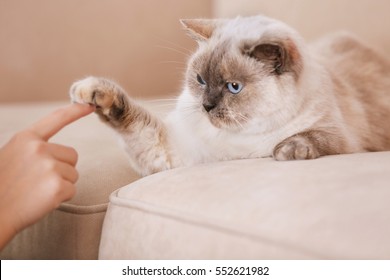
[{"x": 255, "y": 89}]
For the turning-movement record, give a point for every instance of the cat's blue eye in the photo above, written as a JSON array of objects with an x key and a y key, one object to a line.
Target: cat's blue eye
[
  {"x": 200, "y": 80},
  {"x": 234, "y": 88}
]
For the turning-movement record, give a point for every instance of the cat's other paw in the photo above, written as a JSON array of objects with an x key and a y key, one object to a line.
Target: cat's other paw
[
  {"x": 108, "y": 97},
  {"x": 297, "y": 147}
]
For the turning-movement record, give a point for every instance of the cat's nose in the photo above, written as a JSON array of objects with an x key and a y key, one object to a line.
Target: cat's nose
[{"x": 208, "y": 106}]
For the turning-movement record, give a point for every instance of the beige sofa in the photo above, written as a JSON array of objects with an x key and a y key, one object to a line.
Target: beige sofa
[{"x": 334, "y": 207}]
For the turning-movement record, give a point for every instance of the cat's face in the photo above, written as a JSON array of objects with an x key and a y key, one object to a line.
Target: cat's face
[
  {"x": 221, "y": 82},
  {"x": 244, "y": 80}
]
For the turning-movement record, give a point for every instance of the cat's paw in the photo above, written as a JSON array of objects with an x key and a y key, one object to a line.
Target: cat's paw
[
  {"x": 82, "y": 90},
  {"x": 296, "y": 148},
  {"x": 108, "y": 97},
  {"x": 91, "y": 91}
]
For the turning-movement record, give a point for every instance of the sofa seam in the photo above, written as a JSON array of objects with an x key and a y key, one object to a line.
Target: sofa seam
[{"x": 83, "y": 210}]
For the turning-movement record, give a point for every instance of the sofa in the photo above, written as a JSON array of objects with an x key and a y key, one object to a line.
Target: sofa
[{"x": 334, "y": 207}]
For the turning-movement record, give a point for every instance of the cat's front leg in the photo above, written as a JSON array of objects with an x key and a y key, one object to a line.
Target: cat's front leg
[
  {"x": 144, "y": 135},
  {"x": 308, "y": 145}
]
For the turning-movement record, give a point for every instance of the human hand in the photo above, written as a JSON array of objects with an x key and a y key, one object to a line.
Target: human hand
[{"x": 35, "y": 175}]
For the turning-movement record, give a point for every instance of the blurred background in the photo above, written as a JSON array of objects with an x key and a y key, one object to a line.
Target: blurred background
[{"x": 46, "y": 45}]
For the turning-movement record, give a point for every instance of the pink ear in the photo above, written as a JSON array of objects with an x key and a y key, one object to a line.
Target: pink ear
[{"x": 199, "y": 29}]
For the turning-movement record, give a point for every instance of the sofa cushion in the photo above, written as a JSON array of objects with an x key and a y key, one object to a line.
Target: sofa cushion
[{"x": 335, "y": 207}]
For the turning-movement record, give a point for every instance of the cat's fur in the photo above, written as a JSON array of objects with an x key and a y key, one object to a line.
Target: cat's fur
[{"x": 297, "y": 101}]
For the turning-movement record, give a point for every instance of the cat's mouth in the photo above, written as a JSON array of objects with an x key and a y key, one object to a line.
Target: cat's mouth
[{"x": 226, "y": 119}]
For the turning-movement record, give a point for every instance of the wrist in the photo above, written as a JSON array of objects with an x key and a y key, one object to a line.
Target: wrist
[{"x": 8, "y": 229}]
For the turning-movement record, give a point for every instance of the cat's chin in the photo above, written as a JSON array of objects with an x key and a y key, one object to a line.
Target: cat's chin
[{"x": 225, "y": 124}]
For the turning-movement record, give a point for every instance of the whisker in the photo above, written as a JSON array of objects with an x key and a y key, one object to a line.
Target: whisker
[
  {"x": 175, "y": 45},
  {"x": 181, "y": 69},
  {"x": 163, "y": 100},
  {"x": 173, "y": 62},
  {"x": 191, "y": 115},
  {"x": 240, "y": 115},
  {"x": 190, "y": 107},
  {"x": 233, "y": 116},
  {"x": 175, "y": 50},
  {"x": 237, "y": 122},
  {"x": 164, "y": 104}
]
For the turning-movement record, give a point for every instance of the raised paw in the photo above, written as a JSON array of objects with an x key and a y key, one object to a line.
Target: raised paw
[
  {"x": 108, "y": 97},
  {"x": 91, "y": 91},
  {"x": 296, "y": 148}
]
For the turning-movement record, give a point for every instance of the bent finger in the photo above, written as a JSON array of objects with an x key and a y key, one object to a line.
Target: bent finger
[
  {"x": 67, "y": 172},
  {"x": 68, "y": 190},
  {"x": 55, "y": 121},
  {"x": 63, "y": 153}
]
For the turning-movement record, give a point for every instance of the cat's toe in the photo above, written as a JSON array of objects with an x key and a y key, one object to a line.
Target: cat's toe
[
  {"x": 84, "y": 91},
  {"x": 295, "y": 148}
]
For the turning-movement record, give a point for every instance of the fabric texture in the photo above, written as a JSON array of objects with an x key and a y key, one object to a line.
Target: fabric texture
[{"x": 334, "y": 207}]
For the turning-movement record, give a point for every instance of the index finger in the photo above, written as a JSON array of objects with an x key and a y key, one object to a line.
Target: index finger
[{"x": 55, "y": 121}]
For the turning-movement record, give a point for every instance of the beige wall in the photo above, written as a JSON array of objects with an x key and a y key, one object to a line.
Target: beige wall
[
  {"x": 45, "y": 45},
  {"x": 370, "y": 19}
]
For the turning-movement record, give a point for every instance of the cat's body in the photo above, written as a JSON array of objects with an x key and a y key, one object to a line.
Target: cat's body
[{"x": 254, "y": 89}]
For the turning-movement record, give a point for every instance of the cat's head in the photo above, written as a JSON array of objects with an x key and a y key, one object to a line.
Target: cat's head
[{"x": 245, "y": 71}]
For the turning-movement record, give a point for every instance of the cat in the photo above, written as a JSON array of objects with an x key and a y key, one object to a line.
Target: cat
[{"x": 253, "y": 89}]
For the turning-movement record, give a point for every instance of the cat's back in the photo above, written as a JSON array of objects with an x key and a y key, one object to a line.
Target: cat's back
[
  {"x": 361, "y": 81},
  {"x": 350, "y": 58}
]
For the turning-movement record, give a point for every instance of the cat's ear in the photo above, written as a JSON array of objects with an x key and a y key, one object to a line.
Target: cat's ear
[
  {"x": 281, "y": 57},
  {"x": 199, "y": 29},
  {"x": 270, "y": 54}
]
